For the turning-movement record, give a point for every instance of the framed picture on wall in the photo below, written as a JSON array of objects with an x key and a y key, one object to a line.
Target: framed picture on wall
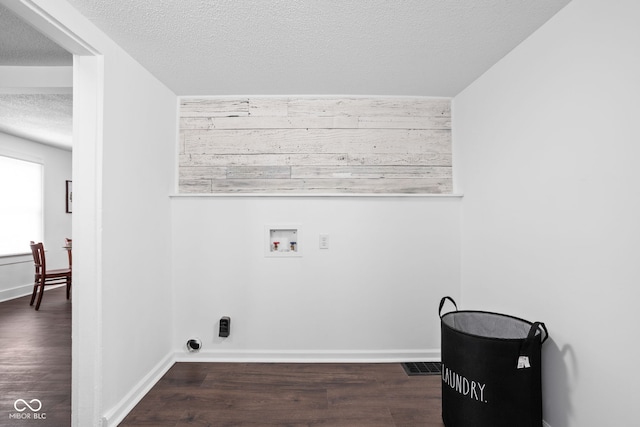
[{"x": 69, "y": 196}]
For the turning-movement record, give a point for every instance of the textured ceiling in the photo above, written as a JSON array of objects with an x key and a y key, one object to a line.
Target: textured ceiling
[
  {"x": 41, "y": 117},
  {"x": 279, "y": 47},
  {"x": 21, "y": 44}
]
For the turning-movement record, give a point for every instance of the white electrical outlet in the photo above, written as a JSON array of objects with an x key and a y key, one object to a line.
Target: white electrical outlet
[{"x": 324, "y": 241}]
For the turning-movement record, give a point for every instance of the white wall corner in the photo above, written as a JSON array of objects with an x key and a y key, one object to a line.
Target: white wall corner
[{"x": 115, "y": 415}]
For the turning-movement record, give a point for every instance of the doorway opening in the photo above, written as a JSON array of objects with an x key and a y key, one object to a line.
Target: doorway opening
[{"x": 53, "y": 21}]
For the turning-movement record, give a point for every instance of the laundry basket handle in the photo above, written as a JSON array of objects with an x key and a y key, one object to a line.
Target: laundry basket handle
[
  {"x": 442, "y": 301},
  {"x": 535, "y": 327}
]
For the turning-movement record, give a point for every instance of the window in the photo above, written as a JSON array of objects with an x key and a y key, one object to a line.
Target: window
[{"x": 21, "y": 216}]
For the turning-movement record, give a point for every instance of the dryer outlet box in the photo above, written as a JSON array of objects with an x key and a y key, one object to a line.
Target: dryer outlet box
[{"x": 225, "y": 327}]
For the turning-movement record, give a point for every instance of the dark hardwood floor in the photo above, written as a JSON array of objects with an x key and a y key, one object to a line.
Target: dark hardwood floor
[
  {"x": 35, "y": 361},
  {"x": 296, "y": 395}
]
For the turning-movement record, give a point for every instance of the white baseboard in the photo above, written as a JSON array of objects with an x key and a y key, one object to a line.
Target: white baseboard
[
  {"x": 115, "y": 415},
  {"x": 20, "y": 291},
  {"x": 309, "y": 356},
  {"x": 545, "y": 424}
]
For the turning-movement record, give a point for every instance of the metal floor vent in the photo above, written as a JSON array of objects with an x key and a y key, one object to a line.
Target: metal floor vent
[{"x": 422, "y": 368}]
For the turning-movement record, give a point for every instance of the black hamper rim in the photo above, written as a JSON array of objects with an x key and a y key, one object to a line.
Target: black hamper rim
[{"x": 451, "y": 313}]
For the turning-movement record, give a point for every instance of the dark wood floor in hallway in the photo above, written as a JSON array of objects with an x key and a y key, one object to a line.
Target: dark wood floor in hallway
[
  {"x": 296, "y": 395},
  {"x": 35, "y": 361}
]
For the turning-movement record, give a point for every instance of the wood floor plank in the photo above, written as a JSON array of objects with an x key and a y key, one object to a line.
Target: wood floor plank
[
  {"x": 379, "y": 417},
  {"x": 35, "y": 359},
  {"x": 297, "y": 395}
]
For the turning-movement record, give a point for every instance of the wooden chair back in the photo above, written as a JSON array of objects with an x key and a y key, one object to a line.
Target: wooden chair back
[
  {"x": 44, "y": 277},
  {"x": 67, "y": 244},
  {"x": 39, "y": 259}
]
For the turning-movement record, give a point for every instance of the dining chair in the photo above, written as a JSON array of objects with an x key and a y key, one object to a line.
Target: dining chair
[
  {"x": 44, "y": 277},
  {"x": 68, "y": 245}
]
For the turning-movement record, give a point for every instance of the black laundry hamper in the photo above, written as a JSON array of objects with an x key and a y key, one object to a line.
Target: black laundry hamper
[{"x": 491, "y": 369}]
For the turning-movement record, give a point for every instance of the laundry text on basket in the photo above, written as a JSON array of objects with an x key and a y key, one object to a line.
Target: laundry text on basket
[{"x": 462, "y": 385}]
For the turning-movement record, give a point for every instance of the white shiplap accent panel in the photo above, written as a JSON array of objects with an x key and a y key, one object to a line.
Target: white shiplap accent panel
[
  {"x": 408, "y": 172},
  {"x": 302, "y": 122},
  {"x": 366, "y": 107},
  {"x": 305, "y": 145},
  {"x": 325, "y": 186},
  {"x": 296, "y": 141},
  {"x": 432, "y": 159},
  {"x": 208, "y": 107}
]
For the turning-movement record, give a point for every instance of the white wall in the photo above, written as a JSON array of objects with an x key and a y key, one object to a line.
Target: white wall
[
  {"x": 16, "y": 272},
  {"x": 138, "y": 168},
  {"x": 124, "y": 153},
  {"x": 373, "y": 295},
  {"x": 546, "y": 149}
]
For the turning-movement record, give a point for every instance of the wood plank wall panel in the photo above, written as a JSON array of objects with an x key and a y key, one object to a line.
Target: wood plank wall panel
[{"x": 307, "y": 145}]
